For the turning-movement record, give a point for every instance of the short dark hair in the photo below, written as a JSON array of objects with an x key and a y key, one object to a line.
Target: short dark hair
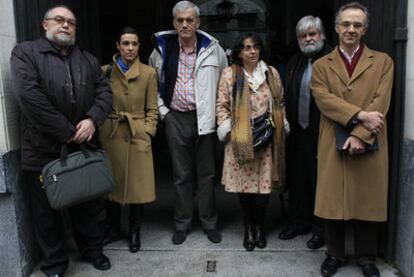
[
  {"x": 126, "y": 30},
  {"x": 239, "y": 45}
]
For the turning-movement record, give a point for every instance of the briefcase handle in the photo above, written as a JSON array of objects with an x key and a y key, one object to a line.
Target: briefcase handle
[{"x": 83, "y": 148}]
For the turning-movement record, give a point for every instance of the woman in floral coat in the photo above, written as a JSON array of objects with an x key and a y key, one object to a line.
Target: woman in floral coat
[{"x": 248, "y": 89}]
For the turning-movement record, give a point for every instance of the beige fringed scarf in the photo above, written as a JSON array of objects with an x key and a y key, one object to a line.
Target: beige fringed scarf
[
  {"x": 279, "y": 135},
  {"x": 241, "y": 133}
]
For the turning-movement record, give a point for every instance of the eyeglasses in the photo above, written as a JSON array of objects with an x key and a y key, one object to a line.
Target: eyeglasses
[
  {"x": 61, "y": 21},
  {"x": 189, "y": 20},
  {"x": 347, "y": 25}
]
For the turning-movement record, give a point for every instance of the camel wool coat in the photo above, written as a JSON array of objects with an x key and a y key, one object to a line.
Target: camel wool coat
[
  {"x": 126, "y": 133},
  {"x": 352, "y": 187}
]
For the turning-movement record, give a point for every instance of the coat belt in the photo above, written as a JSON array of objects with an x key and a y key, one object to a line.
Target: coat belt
[{"x": 125, "y": 116}]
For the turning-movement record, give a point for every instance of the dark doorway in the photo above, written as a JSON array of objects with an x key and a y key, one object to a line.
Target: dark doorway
[
  {"x": 147, "y": 17},
  {"x": 274, "y": 20}
]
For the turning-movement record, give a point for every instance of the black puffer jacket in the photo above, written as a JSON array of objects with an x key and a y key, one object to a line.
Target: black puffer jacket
[{"x": 50, "y": 108}]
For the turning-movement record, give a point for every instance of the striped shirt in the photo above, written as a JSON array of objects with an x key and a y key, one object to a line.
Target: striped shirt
[{"x": 183, "y": 98}]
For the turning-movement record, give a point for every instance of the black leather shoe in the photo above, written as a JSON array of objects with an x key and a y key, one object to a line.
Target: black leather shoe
[
  {"x": 100, "y": 262},
  {"x": 330, "y": 266},
  {"x": 291, "y": 232},
  {"x": 134, "y": 242},
  {"x": 179, "y": 236},
  {"x": 213, "y": 235},
  {"x": 260, "y": 241},
  {"x": 111, "y": 235},
  {"x": 370, "y": 270},
  {"x": 315, "y": 242},
  {"x": 249, "y": 240}
]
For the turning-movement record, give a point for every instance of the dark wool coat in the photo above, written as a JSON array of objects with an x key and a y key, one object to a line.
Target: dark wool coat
[
  {"x": 54, "y": 93},
  {"x": 294, "y": 72}
]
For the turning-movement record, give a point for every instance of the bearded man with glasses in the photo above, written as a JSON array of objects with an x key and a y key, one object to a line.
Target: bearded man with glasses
[{"x": 63, "y": 97}]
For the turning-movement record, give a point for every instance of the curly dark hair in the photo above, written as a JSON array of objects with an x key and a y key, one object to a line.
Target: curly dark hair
[{"x": 239, "y": 45}]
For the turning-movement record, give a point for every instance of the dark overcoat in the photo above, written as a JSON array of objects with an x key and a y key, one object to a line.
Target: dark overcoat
[
  {"x": 54, "y": 93},
  {"x": 295, "y": 153}
]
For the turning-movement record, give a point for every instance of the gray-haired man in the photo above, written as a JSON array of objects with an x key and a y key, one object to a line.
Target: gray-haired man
[
  {"x": 303, "y": 116},
  {"x": 189, "y": 63}
]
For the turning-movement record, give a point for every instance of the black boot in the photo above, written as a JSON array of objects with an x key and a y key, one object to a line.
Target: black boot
[
  {"x": 261, "y": 241},
  {"x": 260, "y": 202},
  {"x": 113, "y": 223},
  {"x": 134, "y": 241},
  {"x": 249, "y": 238},
  {"x": 249, "y": 231},
  {"x": 136, "y": 212}
]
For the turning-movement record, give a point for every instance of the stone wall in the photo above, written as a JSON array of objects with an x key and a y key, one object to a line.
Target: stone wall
[
  {"x": 18, "y": 250},
  {"x": 405, "y": 221}
]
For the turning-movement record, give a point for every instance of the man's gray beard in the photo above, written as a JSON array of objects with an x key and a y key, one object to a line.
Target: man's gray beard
[
  {"x": 61, "y": 39},
  {"x": 310, "y": 50}
]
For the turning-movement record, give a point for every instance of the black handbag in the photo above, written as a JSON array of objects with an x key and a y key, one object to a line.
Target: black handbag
[
  {"x": 262, "y": 131},
  {"x": 77, "y": 177}
]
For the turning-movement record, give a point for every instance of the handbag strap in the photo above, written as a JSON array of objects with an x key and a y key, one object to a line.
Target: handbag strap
[
  {"x": 83, "y": 148},
  {"x": 63, "y": 154}
]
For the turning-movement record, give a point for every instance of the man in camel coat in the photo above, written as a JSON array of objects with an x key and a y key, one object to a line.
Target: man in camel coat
[{"x": 352, "y": 88}]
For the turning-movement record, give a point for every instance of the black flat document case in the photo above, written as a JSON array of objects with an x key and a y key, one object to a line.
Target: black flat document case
[{"x": 342, "y": 133}]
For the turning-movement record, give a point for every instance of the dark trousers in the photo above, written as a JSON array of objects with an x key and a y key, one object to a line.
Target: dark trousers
[
  {"x": 113, "y": 216},
  {"x": 254, "y": 208},
  {"x": 50, "y": 232},
  {"x": 136, "y": 214},
  {"x": 302, "y": 171},
  {"x": 365, "y": 239},
  {"x": 193, "y": 159}
]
